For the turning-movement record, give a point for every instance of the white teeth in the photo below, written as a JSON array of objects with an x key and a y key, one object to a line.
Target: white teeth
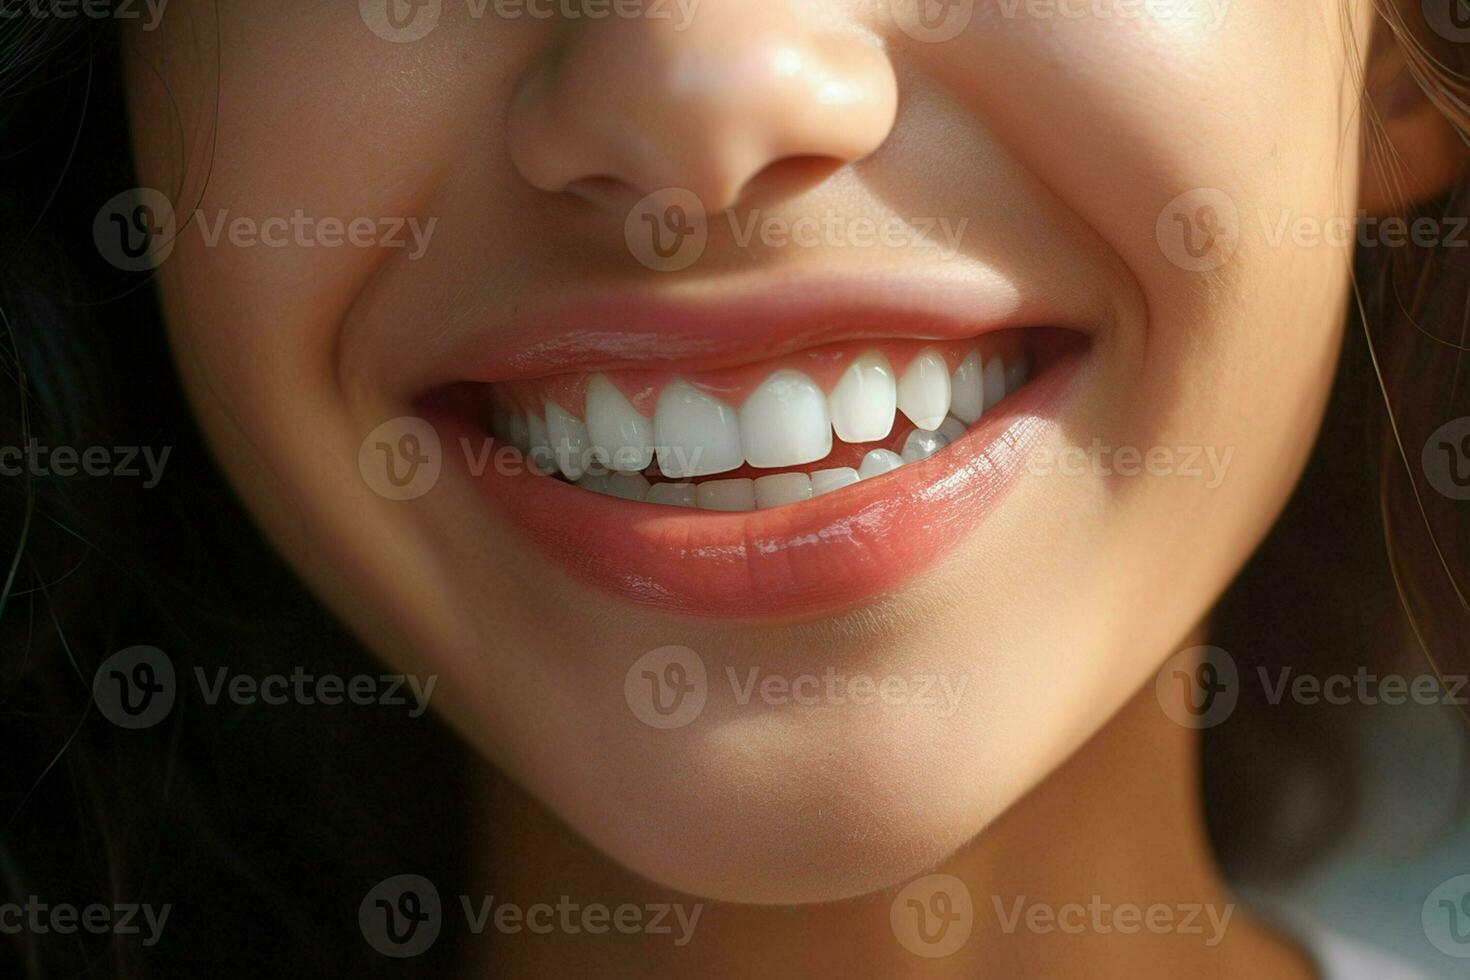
[
  {"x": 732, "y": 495},
  {"x": 784, "y": 422},
  {"x": 863, "y": 403},
  {"x": 923, "y": 391},
  {"x": 995, "y": 380},
  {"x": 967, "y": 391},
  {"x": 696, "y": 435},
  {"x": 921, "y": 445},
  {"x": 878, "y": 462},
  {"x": 782, "y": 488},
  {"x": 596, "y": 482},
  {"x": 825, "y": 481},
  {"x": 540, "y": 452},
  {"x": 1017, "y": 370},
  {"x": 568, "y": 437},
  {"x": 620, "y": 434},
  {"x": 952, "y": 429},
  {"x": 628, "y": 486},
  {"x": 672, "y": 495}
]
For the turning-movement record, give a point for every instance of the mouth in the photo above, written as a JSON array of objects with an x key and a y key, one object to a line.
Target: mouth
[{"x": 721, "y": 480}]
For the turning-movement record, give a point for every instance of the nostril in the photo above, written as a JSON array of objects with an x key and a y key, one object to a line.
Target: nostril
[
  {"x": 787, "y": 178},
  {"x": 599, "y": 190}
]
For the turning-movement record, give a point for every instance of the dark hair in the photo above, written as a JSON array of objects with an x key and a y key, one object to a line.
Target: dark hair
[{"x": 254, "y": 824}]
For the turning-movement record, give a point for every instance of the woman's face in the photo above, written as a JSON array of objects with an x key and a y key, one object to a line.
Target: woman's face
[{"x": 711, "y": 231}]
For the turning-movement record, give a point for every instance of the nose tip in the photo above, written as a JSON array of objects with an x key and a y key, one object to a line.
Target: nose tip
[{"x": 742, "y": 94}]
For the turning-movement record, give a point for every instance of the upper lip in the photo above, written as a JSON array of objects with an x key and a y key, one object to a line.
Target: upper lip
[{"x": 731, "y": 327}]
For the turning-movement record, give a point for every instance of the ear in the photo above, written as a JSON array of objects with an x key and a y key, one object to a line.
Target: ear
[{"x": 1412, "y": 153}]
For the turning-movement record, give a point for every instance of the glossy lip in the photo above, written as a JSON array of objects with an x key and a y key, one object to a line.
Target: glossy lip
[
  {"x": 818, "y": 557},
  {"x": 741, "y": 325}
]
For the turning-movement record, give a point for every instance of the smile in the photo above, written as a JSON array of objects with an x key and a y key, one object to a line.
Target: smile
[{"x": 726, "y": 485}]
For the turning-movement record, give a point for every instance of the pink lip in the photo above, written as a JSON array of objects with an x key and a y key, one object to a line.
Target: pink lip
[
  {"x": 605, "y": 332},
  {"x": 835, "y": 552}
]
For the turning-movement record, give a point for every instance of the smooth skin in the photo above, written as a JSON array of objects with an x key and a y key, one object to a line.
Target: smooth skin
[{"x": 1063, "y": 139}]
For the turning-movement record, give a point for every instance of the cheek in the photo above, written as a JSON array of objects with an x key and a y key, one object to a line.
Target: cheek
[
  {"x": 1198, "y": 174},
  {"x": 312, "y": 150}
]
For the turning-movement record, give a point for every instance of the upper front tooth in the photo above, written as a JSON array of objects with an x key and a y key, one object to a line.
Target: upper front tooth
[
  {"x": 620, "y": 434},
  {"x": 995, "y": 380},
  {"x": 967, "y": 391},
  {"x": 864, "y": 400},
  {"x": 696, "y": 435},
  {"x": 784, "y": 422},
  {"x": 923, "y": 391},
  {"x": 540, "y": 453},
  {"x": 568, "y": 438}
]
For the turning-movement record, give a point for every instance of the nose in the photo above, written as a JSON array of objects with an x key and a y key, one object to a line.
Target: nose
[{"x": 712, "y": 104}]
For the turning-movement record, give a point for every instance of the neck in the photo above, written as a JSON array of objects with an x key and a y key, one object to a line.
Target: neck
[{"x": 1103, "y": 870}]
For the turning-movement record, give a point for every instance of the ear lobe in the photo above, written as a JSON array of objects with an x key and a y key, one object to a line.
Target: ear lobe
[{"x": 1411, "y": 151}]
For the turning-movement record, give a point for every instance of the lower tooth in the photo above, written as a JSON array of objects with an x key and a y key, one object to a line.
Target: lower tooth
[
  {"x": 920, "y": 445},
  {"x": 728, "y": 495},
  {"x": 672, "y": 495},
  {"x": 825, "y": 481},
  {"x": 628, "y": 486},
  {"x": 878, "y": 462},
  {"x": 952, "y": 429},
  {"x": 596, "y": 482},
  {"x": 782, "y": 488}
]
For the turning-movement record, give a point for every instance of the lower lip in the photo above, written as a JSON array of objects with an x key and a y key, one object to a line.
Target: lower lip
[{"x": 819, "y": 557}]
